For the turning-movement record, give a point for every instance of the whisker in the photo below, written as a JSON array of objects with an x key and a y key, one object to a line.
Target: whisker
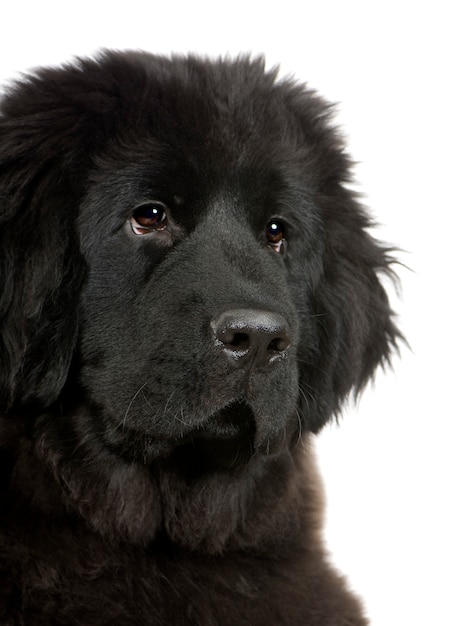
[
  {"x": 168, "y": 401},
  {"x": 181, "y": 419},
  {"x": 300, "y": 439},
  {"x": 130, "y": 405}
]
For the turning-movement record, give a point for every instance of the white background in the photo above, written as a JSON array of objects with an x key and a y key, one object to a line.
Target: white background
[{"x": 398, "y": 469}]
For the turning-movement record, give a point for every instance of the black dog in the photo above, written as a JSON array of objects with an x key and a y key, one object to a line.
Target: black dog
[{"x": 187, "y": 291}]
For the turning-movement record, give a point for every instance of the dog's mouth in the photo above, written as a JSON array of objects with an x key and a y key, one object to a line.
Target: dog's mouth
[
  {"x": 226, "y": 441},
  {"x": 233, "y": 421}
]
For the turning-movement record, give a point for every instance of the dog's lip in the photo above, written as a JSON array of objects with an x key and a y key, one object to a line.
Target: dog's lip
[
  {"x": 223, "y": 423},
  {"x": 237, "y": 423},
  {"x": 227, "y": 422},
  {"x": 233, "y": 426}
]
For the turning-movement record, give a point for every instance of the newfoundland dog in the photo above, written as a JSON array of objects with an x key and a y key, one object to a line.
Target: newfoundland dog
[{"x": 188, "y": 290}]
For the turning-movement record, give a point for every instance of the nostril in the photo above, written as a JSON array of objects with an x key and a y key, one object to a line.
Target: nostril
[
  {"x": 251, "y": 337},
  {"x": 279, "y": 344},
  {"x": 227, "y": 336},
  {"x": 240, "y": 340}
]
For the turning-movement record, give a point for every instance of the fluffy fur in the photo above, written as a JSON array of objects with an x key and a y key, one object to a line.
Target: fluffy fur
[{"x": 188, "y": 290}]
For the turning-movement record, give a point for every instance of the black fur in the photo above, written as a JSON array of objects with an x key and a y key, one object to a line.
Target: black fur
[{"x": 153, "y": 471}]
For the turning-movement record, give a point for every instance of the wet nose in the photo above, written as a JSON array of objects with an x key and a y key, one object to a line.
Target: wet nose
[{"x": 252, "y": 338}]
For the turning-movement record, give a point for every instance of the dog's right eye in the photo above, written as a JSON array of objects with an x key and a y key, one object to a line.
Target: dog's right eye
[{"x": 149, "y": 217}]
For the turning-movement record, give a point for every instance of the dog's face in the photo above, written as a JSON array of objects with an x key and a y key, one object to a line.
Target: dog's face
[
  {"x": 181, "y": 257},
  {"x": 189, "y": 324}
]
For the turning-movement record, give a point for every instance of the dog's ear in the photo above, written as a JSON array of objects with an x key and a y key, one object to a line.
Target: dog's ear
[
  {"x": 353, "y": 328},
  {"x": 47, "y": 131}
]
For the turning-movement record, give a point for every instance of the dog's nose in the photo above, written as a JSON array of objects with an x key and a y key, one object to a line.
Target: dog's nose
[{"x": 252, "y": 338}]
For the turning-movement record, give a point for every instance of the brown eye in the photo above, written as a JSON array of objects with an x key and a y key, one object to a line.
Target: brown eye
[
  {"x": 149, "y": 217},
  {"x": 275, "y": 234}
]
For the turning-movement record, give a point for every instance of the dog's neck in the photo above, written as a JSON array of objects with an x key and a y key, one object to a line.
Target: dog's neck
[{"x": 64, "y": 469}]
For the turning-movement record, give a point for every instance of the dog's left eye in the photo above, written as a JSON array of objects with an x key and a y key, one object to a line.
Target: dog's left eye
[
  {"x": 275, "y": 235},
  {"x": 149, "y": 217}
]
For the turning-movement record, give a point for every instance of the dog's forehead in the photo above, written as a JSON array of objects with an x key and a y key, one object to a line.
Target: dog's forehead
[
  {"x": 196, "y": 165},
  {"x": 233, "y": 112}
]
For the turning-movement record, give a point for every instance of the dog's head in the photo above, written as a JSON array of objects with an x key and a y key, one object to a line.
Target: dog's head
[{"x": 180, "y": 253}]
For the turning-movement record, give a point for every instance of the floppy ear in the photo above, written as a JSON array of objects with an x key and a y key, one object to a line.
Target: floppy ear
[
  {"x": 45, "y": 136},
  {"x": 354, "y": 328}
]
